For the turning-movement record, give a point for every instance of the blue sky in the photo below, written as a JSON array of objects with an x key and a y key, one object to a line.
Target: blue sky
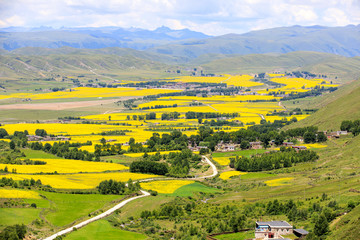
[{"x": 214, "y": 17}]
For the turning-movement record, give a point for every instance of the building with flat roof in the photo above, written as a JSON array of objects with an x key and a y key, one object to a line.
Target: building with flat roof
[{"x": 272, "y": 229}]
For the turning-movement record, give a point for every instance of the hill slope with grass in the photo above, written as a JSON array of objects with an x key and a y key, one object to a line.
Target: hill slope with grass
[
  {"x": 344, "y": 68},
  {"x": 343, "y": 104}
]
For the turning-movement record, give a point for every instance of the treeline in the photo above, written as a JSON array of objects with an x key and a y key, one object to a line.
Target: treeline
[
  {"x": 173, "y": 141},
  {"x": 148, "y": 116},
  {"x": 312, "y": 93},
  {"x": 351, "y": 126},
  {"x": 159, "y": 106},
  {"x": 115, "y": 133},
  {"x": 180, "y": 163},
  {"x": 286, "y": 157},
  {"x": 114, "y": 187},
  {"x": 148, "y": 166},
  {"x": 64, "y": 150},
  {"x": 26, "y": 183},
  {"x": 9, "y": 160},
  {"x": 107, "y": 149},
  {"x": 171, "y": 115},
  {"x": 303, "y": 74},
  {"x": 219, "y": 123},
  {"x": 202, "y": 115},
  {"x": 13, "y": 232}
]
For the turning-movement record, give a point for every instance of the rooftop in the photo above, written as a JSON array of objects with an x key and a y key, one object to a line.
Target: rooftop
[{"x": 275, "y": 224}]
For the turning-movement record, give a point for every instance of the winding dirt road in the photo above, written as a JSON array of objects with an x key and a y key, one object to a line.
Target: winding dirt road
[{"x": 123, "y": 203}]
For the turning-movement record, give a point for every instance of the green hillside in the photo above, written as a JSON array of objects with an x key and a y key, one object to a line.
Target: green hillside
[
  {"x": 347, "y": 227},
  {"x": 90, "y": 64},
  {"x": 320, "y": 63},
  {"x": 343, "y": 104}
]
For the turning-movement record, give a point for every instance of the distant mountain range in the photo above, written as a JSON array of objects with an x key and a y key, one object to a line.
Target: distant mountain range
[
  {"x": 136, "y": 38},
  {"x": 187, "y": 44}
]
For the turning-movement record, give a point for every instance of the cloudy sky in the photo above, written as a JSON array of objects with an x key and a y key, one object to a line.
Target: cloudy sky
[{"x": 214, "y": 17}]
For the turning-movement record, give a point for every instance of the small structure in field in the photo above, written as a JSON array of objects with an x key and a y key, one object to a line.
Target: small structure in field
[
  {"x": 255, "y": 145},
  {"x": 288, "y": 144},
  {"x": 225, "y": 147},
  {"x": 272, "y": 229},
  {"x": 300, "y": 233},
  {"x": 299, "y": 148}
]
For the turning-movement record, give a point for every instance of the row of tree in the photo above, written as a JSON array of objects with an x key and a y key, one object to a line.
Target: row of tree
[
  {"x": 351, "y": 126},
  {"x": 273, "y": 160},
  {"x": 114, "y": 187}
]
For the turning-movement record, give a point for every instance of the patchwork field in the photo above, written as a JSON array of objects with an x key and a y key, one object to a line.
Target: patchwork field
[
  {"x": 65, "y": 166},
  {"x": 81, "y": 181},
  {"x": 168, "y": 186}
]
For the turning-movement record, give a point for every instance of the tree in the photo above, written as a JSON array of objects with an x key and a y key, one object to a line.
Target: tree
[
  {"x": 3, "y": 133},
  {"x": 244, "y": 144},
  {"x": 309, "y": 137},
  {"x": 321, "y": 137},
  {"x": 40, "y": 132},
  {"x": 12, "y": 145},
  {"x": 321, "y": 226}
]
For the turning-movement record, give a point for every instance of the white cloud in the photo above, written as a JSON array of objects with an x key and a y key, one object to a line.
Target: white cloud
[{"x": 210, "y": 16}]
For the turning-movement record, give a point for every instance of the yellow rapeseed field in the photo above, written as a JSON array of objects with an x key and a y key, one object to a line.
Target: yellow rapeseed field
[
  {"x": 15, "y": 193},
  {"x": 279, "y": 182},
  {"x": 65, "y": 166},
  {"x": 81, "y": 181},
  {"x": 276, "y": 74},
  {"x": 168, "y": 186},
  {"x": 223, "y": 161},
  {"x": 229, "y": 174},
  {"x": 87, "y": 92},
  {"x": 150, "y": 153}
]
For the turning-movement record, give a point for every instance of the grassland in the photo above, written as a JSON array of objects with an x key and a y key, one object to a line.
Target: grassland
[
  {"x": 67, "y": 208},
  {"x": 236, "y": 236},
  {"x": 329, "y": 117},
  {"x": 103, "y": 230},
  {"x": 193, "y": 188},
  {"x": 12, "y": 216}
]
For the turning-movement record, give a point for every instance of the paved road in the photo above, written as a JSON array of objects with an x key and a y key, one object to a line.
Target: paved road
[{"x": 123, "y": 203}]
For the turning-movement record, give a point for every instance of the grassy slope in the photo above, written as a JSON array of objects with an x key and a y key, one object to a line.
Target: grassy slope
[
  {"x": 344, "y": 104},
  {"x": 103, "y": 230},
  {"x": 108, "y": 66},
  {"x": 320, "y": 63},
  {"x": 347, "y": 227}
]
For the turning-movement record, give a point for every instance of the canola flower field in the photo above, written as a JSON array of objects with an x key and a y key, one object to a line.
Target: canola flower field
[
  {"x": 87, "y": 92},
  {"x": 252, "y": 106},
  {"x": 229, "y": 174},
  {"x": 168, "y": 186},
  {"x": 81, "y": 181},
  {"x": 65, "y": 166},
  {"x": 279, "y": 182},
  {"x": 15, "y": 193}
]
